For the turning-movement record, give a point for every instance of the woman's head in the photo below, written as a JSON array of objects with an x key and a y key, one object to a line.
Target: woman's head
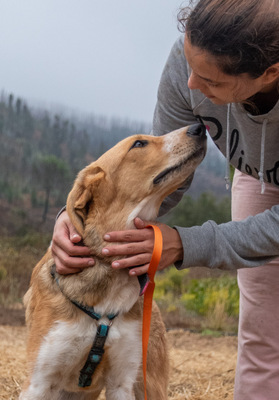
[
  {"x": 242, "y": 35},
  {"x": 232, "y": 47}
]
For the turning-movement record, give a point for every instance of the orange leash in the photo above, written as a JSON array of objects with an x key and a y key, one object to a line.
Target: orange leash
[{"x": 148, "y": 297}]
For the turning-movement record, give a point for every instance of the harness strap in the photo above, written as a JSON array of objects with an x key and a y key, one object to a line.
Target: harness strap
[
  {"x": 97, "y": 350},
  {"x": 87, "y": 310},
  {"x": 94, "y": 357},
  {"x": 148, "y": 297}
]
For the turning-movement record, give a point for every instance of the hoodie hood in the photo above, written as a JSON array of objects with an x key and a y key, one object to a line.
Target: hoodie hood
[{"x": 249, "y": 142}]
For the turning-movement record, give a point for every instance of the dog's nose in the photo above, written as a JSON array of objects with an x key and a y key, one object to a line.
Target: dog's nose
[{"x": 196, "y": 130}]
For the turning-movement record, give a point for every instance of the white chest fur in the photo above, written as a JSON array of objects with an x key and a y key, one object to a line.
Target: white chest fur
[{"x": 62, "y": 349}]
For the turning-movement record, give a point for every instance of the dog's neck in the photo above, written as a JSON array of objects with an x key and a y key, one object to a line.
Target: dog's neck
[
  {"x": 97, "y": 225},
  {"x": 101, "y": 281}
]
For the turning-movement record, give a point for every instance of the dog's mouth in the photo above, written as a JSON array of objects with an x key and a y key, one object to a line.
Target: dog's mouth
[{"x": 164, "y": 174}]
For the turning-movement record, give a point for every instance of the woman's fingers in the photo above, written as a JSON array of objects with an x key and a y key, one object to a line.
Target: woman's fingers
[
  {"x": 71, "y": 261},
  {"x": 134, "y": 235},
  {"x": 72, "y": 265},
  {"x": 128, "y": 249},
  {"x": 69, "y": 248},
  {"x": 135, "y": 247},
  {"x": 143, "y": 269},
  {"x": 133, "y": 261},
  {"x": 70, "y": 256}
]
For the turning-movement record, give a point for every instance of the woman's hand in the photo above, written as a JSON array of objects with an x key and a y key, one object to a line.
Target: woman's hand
[
  {"x": 138, "y": 247},
  {"x": 70, "y": 257}
]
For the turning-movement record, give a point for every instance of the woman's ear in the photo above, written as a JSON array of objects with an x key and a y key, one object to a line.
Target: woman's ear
[
  {"x": 271, "y": 74},
  {"x": 82, "y": 195}
]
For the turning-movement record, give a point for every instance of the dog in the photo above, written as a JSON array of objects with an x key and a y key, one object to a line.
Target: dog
[{"x": 66, "y": 314}]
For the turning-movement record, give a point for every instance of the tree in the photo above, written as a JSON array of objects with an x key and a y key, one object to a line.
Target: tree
[{"x": 50, "y": 173}]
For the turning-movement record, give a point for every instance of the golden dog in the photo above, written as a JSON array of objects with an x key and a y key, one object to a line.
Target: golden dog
[{"x": 66, "y": 314}]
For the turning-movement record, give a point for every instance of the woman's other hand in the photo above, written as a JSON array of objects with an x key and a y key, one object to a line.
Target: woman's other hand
[
  {"x": 137, "y": 245},
  {"x": 70, "y": 256}
]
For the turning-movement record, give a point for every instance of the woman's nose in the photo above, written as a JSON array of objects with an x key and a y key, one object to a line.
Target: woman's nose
[{"x": 192, "y": 82}]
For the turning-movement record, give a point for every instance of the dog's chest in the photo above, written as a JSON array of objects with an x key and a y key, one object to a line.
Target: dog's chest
[{"x": 66, "y": 346}]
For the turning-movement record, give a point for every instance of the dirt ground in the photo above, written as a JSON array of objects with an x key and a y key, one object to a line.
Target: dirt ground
[{"x": 202, "y": 367}]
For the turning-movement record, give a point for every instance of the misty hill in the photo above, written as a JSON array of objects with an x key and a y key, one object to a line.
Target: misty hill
[{"x": 42, "y": 151}]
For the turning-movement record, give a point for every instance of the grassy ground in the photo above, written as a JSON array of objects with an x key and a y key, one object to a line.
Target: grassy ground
[{"x": 202, "y": 367}]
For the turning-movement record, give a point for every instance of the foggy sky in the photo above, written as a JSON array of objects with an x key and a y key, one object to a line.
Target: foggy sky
[{"x": 103, "y": 57}]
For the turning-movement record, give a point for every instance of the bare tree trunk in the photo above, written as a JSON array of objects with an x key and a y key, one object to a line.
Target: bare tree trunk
[{"x": 46, "y": 205}]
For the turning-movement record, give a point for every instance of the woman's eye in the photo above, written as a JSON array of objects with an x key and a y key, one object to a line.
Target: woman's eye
[
  {"x": 212, "y": 84},
  {"x": 139, "y": 143}
]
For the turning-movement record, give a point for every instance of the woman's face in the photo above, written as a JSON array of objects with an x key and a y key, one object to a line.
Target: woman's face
[{"x": 219, "y": 87}]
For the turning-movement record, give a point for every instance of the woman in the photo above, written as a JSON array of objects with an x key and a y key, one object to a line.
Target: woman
[{"x": 224, "y": 72}]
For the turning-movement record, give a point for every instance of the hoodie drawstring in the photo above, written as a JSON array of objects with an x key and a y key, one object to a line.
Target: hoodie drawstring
[
  {"x": 261, "y": 172},
  {"x": 227, "y": 175}
]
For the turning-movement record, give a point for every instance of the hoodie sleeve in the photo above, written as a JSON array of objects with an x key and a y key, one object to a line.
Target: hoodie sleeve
[
  {"x": 173, "y": 109},
  {"x": 251, "y": 242}
]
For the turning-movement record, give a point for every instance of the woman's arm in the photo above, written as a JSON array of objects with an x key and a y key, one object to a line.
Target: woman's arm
[
  {"x": 251, "y": 242},
  {"x": 229, "y": 246}
]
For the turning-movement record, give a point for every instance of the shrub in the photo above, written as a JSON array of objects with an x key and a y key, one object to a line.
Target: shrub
[
  {"x": 18, "y": 256},
  {"x": 216, "y": 300},
  {"x": 3, "y": 273}
]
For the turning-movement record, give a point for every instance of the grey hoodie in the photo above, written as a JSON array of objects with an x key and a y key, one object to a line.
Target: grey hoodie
[{"x": 250, "y": 143}]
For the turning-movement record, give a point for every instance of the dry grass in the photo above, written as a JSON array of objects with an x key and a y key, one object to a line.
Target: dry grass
[
  {"x": 202, "y": 367},
  {"x": 12, "y": 361}
]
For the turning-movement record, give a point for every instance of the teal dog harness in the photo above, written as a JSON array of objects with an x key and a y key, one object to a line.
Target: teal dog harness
[{"x": 97, "y": 349}]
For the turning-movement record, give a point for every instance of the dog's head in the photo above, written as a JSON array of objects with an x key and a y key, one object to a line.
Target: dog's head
[{"x": 133, "y": 178}]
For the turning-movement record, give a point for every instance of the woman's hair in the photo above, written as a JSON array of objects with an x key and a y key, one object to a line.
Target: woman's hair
[{"x": 243, "y": 35}]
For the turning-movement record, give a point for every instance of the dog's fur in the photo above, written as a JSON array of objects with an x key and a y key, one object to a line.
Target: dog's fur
[{"x": 127, "y": 181}]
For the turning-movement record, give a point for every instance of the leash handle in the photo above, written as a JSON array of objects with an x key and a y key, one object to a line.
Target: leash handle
[{"x": 148, "y": 297}]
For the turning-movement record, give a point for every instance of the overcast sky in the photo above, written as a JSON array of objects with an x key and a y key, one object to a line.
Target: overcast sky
[{"x": 103, "y": 57}]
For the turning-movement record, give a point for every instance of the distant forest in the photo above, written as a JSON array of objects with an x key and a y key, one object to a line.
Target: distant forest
[{"x": 42, "y": 151}]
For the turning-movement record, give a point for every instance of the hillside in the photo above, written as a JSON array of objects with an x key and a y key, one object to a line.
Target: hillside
[{"x": 41, "y": 153}]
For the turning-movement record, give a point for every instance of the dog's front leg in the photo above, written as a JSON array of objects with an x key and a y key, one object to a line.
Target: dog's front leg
[
  {"x": 61, "y": 395},
  {"x": 125, "y": 358},
  {"x": 120, "y": 394},
  {"x": 121, "y": 386}
]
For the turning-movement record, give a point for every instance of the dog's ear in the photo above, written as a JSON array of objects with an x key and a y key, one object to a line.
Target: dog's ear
[{"x": 82, "y": 195}]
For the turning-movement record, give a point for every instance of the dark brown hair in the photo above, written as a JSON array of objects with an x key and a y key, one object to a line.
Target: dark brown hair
[{"x": 243, "y": 35}]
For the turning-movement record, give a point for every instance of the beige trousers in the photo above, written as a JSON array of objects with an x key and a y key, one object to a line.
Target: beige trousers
[{"x": 257, "y": 372}]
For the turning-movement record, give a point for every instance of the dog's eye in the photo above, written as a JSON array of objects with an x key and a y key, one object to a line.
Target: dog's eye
[{"x": 139, "y": 143}]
